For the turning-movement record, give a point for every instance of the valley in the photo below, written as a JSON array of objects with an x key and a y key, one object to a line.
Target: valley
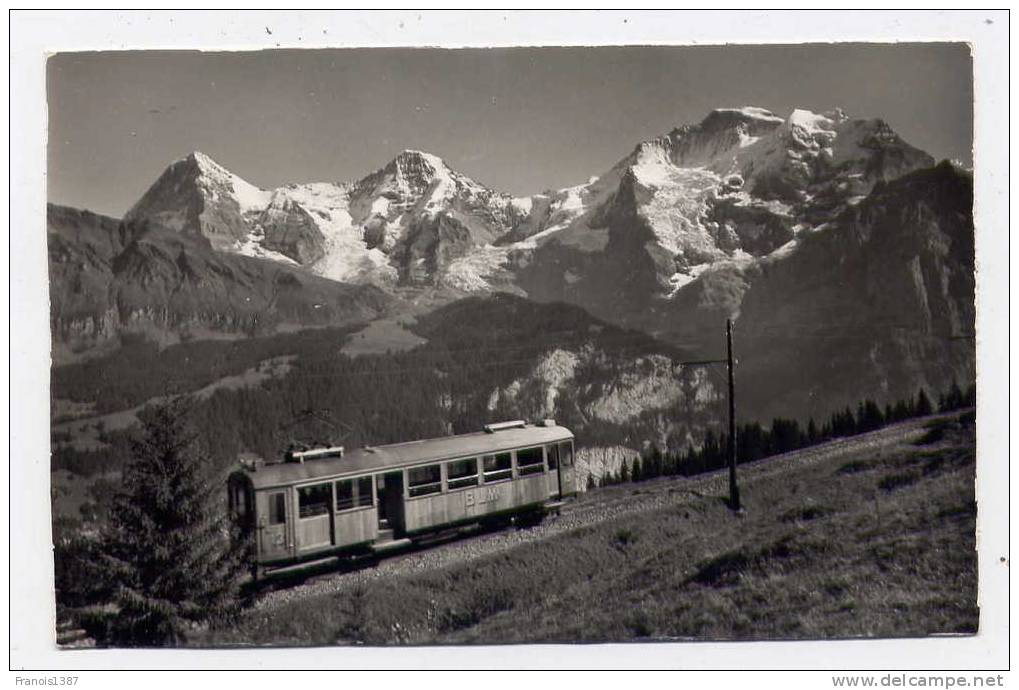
[{"x": 416, "y": 302}]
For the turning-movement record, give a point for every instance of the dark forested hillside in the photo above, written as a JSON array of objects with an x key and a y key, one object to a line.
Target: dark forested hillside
[{"x": 484, "y": 359}]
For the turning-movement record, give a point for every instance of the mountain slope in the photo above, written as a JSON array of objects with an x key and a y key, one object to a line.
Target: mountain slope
[
  {"x": 616, "y": 386},
  {"x": 81, "y": 248},
  {"x": 883, "y": 301},
  {"x": 811, "y": 558},
  {"x": 108, "y": 279},
  {"x": 685, "y": 219}
]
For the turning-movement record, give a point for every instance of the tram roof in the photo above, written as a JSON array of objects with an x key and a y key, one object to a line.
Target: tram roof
[{"x": 407, "y": 454}]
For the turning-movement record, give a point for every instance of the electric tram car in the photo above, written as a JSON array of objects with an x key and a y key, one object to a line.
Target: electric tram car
[{"x": 327, "y": 502}]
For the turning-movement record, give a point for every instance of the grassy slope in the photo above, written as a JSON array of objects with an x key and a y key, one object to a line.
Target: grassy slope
[{"x": 876, "y": 541}]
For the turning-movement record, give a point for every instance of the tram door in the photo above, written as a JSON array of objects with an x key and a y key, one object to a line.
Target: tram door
[
  {"x": 272, "y": 527},
  {"x": 554, "y": 477},
  {"x": 567, "y": 472},
  {"x": 389, "y": 492}
]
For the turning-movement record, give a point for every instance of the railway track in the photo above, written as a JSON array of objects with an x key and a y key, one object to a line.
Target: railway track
[{"x": 593, "y": 508}]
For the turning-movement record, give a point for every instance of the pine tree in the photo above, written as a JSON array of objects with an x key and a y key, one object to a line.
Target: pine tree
[
  {"x": 636, "y": 473},
  {"x": 670, "y": 463},
  {"x": 813, "y": 436},
  {"x": 869, "y": 416},
  {"x": 903, "y": 410},
  {"x": 923, "y": 404},
  {"x": 785, "y": 435},
  {"x": 750, "y": 443},
  {"x": 710, "y": 455},
  {"x": 652, "y": 465},
  {"x": 169, "y": 549},
  {"x": 953, "y": 399},
  {"x": 852, "y": 424},
  {"x": 624, "y": 472},
  {"x": 690, "y": 463}
]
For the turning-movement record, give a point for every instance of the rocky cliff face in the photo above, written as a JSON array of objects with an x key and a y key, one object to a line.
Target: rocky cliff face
[
  {"x": 881, "y": 301},
  {"x": 289, "y": 230},
  {"x": 108, "y": 278},
  {"x": 671, "y": 237},
  {"x": 81, "y": 246},
  {"x": 199, "y": 197}
]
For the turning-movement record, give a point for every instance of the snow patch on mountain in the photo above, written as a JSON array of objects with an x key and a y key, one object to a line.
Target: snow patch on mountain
[
  {"x": 680, "y": 279},
  {"x": 677, "y": 205},
  {"x": 570, "y": 213},
  {"x": 345, "y": 255},
  {"x": 753, "y": 112},
  {"x": 811, "y": 124},
  {"x": 248, "y": 197},
  {"x": 471, "y": 272},
  {"x": 252, "y": 246},
  {"x": 523, "y": 204}
]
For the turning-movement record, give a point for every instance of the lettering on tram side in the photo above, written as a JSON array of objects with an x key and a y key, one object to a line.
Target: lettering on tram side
[{"x": 485, "y": 494}]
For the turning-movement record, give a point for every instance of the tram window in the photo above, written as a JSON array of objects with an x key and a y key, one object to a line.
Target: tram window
[
  {"x": 238, "y": 501},
  {"x": 552, "y": 453},
  {"x": 353, "y": 493},
  {"x": 344, "y": 494},
  {"x": 566, "y": 453},
  {"x": 313, "y": 500},
  {"x": 364, "y": 491},
  {"x": 462, "y": 473},
  {"x": 498, "y": 467},
  {"x": 530, "y": 461},
  {"x": 422, "y": 481},
  {"x": 277, "y": 508}
]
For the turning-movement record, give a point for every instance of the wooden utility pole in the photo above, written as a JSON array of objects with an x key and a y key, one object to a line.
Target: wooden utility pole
[{"x": 734, "y": 503}]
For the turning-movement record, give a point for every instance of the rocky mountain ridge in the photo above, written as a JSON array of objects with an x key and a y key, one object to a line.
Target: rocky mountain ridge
[
  {"x": 109, "y": 279},
  {"x": 795, "y": 226},
  {"x": 734, "y": 187}
]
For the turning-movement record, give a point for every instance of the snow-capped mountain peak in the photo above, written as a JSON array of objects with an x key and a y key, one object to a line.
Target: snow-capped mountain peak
[
  {"x": 412, "y": 171},
  {"x": 411, "y": 175},
  {"x": 416, "y": 177},
  {"x": 734, "y": 187},
  {"x": 248, "y": 197},
  {"x": 204, "y": 161},
  {"x": 413, "y": 161},
  {"x": 749, "y": 112},
  {"x": 197, "y": 195},
  {"x": 722, "y": 194}
]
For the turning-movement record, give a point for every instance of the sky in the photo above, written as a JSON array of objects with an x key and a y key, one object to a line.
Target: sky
[{"x": 518, "y": 120}]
